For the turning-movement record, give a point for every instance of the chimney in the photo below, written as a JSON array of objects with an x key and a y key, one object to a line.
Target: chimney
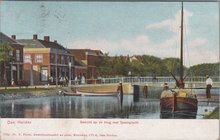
[
  {"x": 55, "y": 41},
  {"x": 35, "y": 37},
  {"x": 13, "y": 37},
  {"x": 47, "y": 38}
]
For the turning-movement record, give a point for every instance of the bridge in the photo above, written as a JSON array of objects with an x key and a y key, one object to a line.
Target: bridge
[{"x": 190, "y": 82}]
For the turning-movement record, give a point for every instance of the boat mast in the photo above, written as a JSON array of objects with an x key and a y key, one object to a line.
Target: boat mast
[{"x": 181, "y": 83}]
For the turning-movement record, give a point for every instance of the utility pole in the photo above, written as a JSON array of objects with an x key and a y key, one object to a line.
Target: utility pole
[
  {"x": 70, "y": 73},
  {"x": 56, "y": 69},
  {"x": 31, "y": 72}
]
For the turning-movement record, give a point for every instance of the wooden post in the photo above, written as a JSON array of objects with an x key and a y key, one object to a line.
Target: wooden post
[
  {"x": 136, "y": 93},
  {"x": 145, "y": 91}
]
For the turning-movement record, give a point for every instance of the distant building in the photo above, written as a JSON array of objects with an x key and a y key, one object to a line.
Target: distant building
[
  {"x": 14, "y": 67},
  {"x": 137, "y": 58},
  {"x": 80, "y": 68},
  {"x": 90, "y": 58},
  {"x": 47, "y": 59}
]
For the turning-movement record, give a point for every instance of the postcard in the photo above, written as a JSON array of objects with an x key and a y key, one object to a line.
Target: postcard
[{"x": 109, "y": 70}]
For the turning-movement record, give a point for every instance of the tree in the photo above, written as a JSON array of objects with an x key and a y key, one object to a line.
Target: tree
[
  {"x": 204, "y": 69},
  {"x": 154, "y": 66},
  {"x": 5, "y": 57},
  {"x": 172, "y": 65}
]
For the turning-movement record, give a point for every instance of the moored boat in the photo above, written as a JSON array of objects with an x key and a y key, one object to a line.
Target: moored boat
[
  {"x": 71, "y": 94},
  {"x": 97, "y": 93},
  {"x": 181, "y": 100}
]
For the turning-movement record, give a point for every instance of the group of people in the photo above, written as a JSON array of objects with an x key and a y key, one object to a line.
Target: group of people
[
  {"x": 168, "y": 93},
  {"x": 62, "y": 81},
  {"x": 80, "y": 80}
]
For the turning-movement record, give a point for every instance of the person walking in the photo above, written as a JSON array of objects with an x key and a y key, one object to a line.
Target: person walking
[{"x": 209, "y": 84}]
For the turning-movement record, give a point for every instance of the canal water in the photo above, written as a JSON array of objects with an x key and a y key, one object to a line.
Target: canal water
[{"x": 90, "y": 107}]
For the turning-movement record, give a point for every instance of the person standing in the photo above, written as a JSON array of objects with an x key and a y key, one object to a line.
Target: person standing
[
  {"x": 83, "y": 80},
  {"x": 76, "y": 80},
  {"x": 209, "y": 83}
]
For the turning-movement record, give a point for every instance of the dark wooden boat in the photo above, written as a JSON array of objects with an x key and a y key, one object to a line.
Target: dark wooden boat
[
  {"x": 71, "y": 94},
  {"x": 183, "y": 100}
]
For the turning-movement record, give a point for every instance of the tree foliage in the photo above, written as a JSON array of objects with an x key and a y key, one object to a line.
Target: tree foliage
[
  {"x": 5, "y": 58},
  {"x": 205, "y": 69},
  {"x": 4, "y": 52},
  {"x": 147, "y": 65}
]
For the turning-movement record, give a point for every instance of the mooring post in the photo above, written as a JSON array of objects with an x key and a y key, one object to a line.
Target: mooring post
[
  {"x": 136, "y": 93},
  {"x": 120, "y": 90},
  {"x": 145, "y": 91}
]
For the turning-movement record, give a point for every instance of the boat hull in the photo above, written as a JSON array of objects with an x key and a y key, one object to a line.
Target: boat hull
[
  {"x": 167, "y": 104},
  {"x": 71, "y": 94},
  {"x": 178, "y": 107},
  {"x": 97, "y": 93},
  {"x": 185, "y": 103}
]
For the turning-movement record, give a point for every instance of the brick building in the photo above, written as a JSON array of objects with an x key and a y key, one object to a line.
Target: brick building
[
  {"x": 80, "y": 68},
  {"x": 45, "y": 60},
  {"x": 90, "y": 58},
  {"x": 14, "y": 67}
]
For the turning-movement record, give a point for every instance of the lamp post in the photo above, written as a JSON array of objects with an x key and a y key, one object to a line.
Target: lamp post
[
  {"x": 29, "y": 60},
  {"x": 31, "y": 73},
  {"x": 70, "y": 74},
  {"x": 56, "y": 73}
]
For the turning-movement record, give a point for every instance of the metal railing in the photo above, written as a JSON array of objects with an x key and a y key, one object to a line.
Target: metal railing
[{"x": 135, "y": 80}]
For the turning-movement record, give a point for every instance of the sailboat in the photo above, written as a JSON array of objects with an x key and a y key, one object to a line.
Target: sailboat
[{"x": 182, "y": 101}]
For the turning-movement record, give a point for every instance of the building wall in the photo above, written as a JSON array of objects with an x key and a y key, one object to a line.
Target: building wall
[
  {"x": 90, "y": 58},
  {"x": 37, "y": 66},
  {"x": 93, "y": 62},
  {"x": 80, "y": 71}
]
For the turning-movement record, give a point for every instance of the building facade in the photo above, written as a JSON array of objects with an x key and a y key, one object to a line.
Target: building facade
[
  {"x": 14, "y": 67},
  {"x": 91, "y": 59},
  {"x": 45, "y": 61}
]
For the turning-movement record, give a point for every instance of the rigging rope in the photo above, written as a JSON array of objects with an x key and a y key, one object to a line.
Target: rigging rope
[{"x": 187, "y": 54}]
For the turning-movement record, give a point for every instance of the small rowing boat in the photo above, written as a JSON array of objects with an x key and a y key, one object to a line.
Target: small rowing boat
[
  {"x": 82, "y": 93},
  {"x": 71, "y": 94}
]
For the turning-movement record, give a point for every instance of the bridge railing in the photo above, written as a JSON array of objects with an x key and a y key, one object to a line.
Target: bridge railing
[{"x": 198, "y": 79}]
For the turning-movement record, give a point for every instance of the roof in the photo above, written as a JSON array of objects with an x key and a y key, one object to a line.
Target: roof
[
  {"x": 90, "y": 52},
  {"x": 79, "y": 63},
  {"x": 30, "y": 43},
  {"x": 4, "y": 38},
  {"x": 52, "y": 45},
  {"x": 137, "y": 57}
]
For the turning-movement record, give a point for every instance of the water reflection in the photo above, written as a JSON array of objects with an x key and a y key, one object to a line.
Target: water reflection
[{"x": 92, "y": 107}]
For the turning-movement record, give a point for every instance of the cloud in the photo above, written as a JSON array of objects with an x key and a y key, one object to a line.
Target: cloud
[
  {"x": 141, "y": 44},
  {"x": 172, "y": 25},
  {"x": 198, "y": 42}
]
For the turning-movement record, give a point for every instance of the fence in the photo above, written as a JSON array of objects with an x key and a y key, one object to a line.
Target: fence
[{"x": 139, "y": 80}]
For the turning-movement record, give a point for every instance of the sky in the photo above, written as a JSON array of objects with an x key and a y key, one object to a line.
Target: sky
[{"x": 119, "y": 28}]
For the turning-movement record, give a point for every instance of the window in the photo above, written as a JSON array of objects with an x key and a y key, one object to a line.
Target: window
[
  {"x": 62, "y": 60},
  {"x": 18, "y": 58},
  {"x": 44, "y": 73},
  {"x": 68, "y": 59},
  {"x": 38, "y": 58},
  {"x": 27, "y": 58},
  {"x": 11, "y": 53},
  {"x": 52, "y": 58}
]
